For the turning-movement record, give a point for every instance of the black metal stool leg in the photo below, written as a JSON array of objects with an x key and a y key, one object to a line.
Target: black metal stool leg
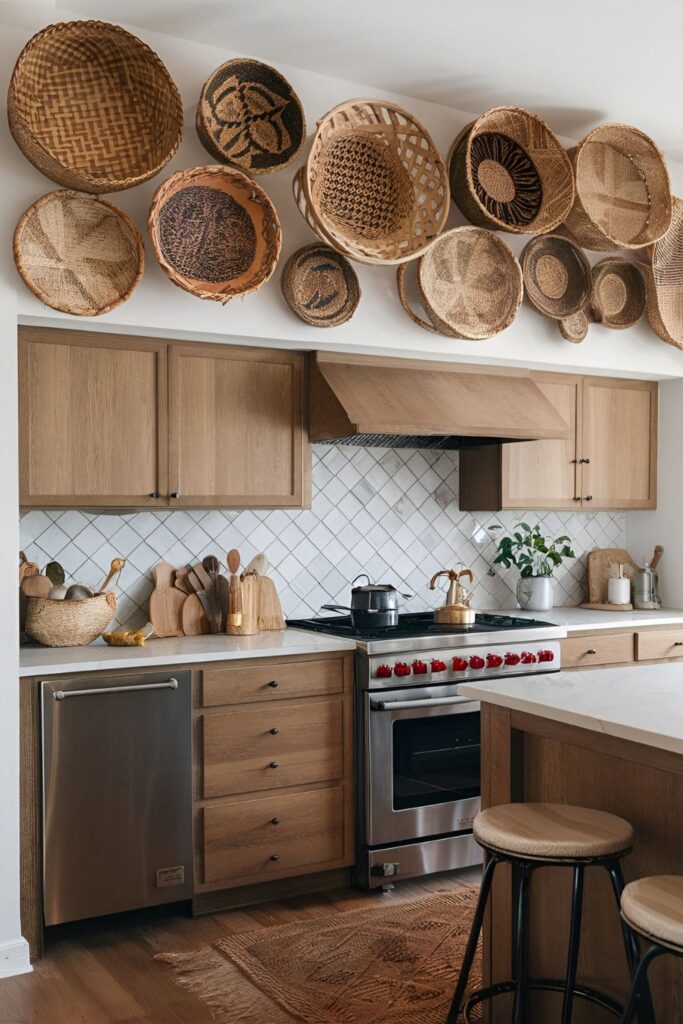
[
  {"x": 574, "y": 941},
  {"x": 640, "y": 983},
  {"x": 519, "y": 1010},
  {"x": 645, "y": 1009},
  {"x": 471, "y": 949}
]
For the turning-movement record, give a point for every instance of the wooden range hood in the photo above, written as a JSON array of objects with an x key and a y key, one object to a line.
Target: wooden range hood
[{"x": 413, "y": 403}]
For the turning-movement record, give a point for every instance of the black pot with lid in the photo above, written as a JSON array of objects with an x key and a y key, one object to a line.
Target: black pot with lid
[{"x": 373, "y": 606}]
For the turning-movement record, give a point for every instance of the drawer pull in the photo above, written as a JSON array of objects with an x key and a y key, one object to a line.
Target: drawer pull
[
  {"x": 274, "y": 856},
  {"x": 273, "y": 683},
  {"x": 591, "y": 650},
  {"x": 274, "y": 731},
  {"x": 274, "y": 821},
  {"x": 274, "y": 764}
]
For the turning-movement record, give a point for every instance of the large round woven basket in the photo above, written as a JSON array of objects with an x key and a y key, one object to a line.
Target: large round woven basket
[
  {"x": 78, "y": 253},
  {"x": 374, "y": 186},
  {"x": 249, "y": 115},
  {"x": 69, "y": 623},
  {"x": 215, "y": 232},
  {"x": 320, "y": 286},
  {"x": 557, "y": 276},
  {"x": 623, "y": 196},
  {"x": 508, "y": 171},
  {"x": 664, "y": 278},
  {"x": 470, "y": 284},
  {"x": 618, "y": 297},
  {"x": 93, "y": 107}
]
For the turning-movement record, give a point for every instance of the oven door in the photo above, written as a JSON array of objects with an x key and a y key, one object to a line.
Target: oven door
[{"x": 423, "y": 752}]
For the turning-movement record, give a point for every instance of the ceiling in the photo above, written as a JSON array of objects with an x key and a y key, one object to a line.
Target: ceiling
[{"x": 576, "y": 64}]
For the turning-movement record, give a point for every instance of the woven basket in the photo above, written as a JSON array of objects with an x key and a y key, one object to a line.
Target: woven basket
[
  {"x": 664, "y": 279},
  {"x": 623, "y": 195},
  {"x": 69, "y": 623},
  {"x": 508, "y": 171},
  {"x": 93, "y": 107},
  {"x": 574, "y": 328},
  {"x": 78, "y": 253},
  {"x": 320, "y": 286},
  {"x": 249, "y": 115},
  {"x": 557, "y": 276},
  {"x": 619, "y": 296},
  {"x": 214, "y": 232},
  {"x": 374, "y": 186},
  {"x": 470, "y": 284}
]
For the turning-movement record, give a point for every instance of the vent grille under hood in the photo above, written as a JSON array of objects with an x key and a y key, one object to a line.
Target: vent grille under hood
[{"x": 405, "y": 403}]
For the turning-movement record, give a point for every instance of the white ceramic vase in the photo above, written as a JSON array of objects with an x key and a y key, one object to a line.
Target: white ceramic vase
[{"x": 535, "y": 593}]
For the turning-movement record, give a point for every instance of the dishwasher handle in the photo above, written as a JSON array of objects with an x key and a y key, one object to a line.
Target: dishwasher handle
[{"x": 170, "y": 684}]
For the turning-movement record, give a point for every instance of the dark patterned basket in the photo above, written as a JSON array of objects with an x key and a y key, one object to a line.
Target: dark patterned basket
[
  {"x": 249, "y": 115},
  {"x": 320, "y": 286},
  {"x": 215, "y": 232}
]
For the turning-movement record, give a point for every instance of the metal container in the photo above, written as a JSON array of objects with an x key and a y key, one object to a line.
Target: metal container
[
  {"x": 646, "y": 589},
  {"x": 373, "y": 606}
]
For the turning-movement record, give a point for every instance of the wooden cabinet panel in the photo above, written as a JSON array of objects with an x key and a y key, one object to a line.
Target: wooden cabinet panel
[
  {"x": 659, "y": 643},
  {"x": 275, "y": 836},
  {"x": 92, "y": 419},
  {"x": 271, "y": 747},
  {"x": 619, "y": 442},
  {"x": 236, "y": 427},
  {"x": 268, "y": 679},
  {"x": 597, "y": 649}
]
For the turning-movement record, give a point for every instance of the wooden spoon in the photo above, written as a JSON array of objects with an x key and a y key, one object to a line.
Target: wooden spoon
[
  {"x": 234, "y": 616},
  {"x": 116, "y": 566}
]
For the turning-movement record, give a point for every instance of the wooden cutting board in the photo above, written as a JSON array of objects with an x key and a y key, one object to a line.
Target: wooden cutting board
[
  {"x": 166, "y": 602},
  {"x": 602, "y": 563},
  {"x": 194, "y": 621}
]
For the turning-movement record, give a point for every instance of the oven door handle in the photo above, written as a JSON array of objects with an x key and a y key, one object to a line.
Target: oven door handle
[{"x": 408, "y": 705}]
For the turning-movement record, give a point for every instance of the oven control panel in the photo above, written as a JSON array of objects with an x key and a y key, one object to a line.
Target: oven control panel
[{"x": 456, "y": 666}]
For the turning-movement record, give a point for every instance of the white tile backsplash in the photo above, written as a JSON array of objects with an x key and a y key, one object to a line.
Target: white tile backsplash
[{"x": 391, "y": 512}]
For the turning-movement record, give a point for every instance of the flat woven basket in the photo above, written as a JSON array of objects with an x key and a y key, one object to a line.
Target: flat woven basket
[
  {"x": 78, "y": 253},
  {"x": 623, "y": 196},
  {"x": 557, "y": 276},
  {"x": 320, "y": 286},
  {"x": 214, "y": 232},
  {"x": 619, "y": 296},
  {"x": 249, "y": 115},
  {"x": 69, "y": 623},
  {"x": 93, "y": 107},
  {"x": 374, "y": 186},
  {"x": 664, "y": 278},
  {"x": 508, "y": 171},
  {"x": 470, "y": 284}
]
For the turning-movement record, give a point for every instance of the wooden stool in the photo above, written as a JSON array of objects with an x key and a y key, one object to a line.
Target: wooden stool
[
  {"x": 652, "y": 907},
  {"x": 529, "y": 836}
]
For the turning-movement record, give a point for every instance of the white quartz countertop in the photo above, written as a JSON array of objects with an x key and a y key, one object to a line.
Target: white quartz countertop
[
  {"x": 50, "y": 661},
  {"x": 643, "y": 703},
  {"x": 575, "y": 619}
]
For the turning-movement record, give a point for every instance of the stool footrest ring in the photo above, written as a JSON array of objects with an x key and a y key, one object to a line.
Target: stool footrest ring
[{"x": 544, "y": 985}]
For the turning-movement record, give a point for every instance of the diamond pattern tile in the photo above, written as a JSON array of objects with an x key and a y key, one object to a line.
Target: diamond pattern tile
[{"x": 388, "y": 511}]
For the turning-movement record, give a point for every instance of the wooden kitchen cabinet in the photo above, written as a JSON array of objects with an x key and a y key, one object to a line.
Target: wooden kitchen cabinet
[
  {"x": 113, "y": 421},
  {"x": 607, "y": 460}
]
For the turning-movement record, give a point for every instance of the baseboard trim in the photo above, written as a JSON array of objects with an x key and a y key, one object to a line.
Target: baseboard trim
[{"x": 14, "y": 958}]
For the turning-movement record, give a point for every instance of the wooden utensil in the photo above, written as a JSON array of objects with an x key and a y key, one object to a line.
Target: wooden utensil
[
  {"x": 211, "y": 564},
  {"x": 181, "y": 581},
  {"x": 194, "y": 621},
  {"x": 199, "y": 573},
  {"x": 222, "y": 585},
  {"x": 659, "y": 551},
  {"x": 270, "y": 610},
  {"x": 166, "y": 602},
  {"x": 116, "y": 566},
  {"x": 26, "y": 568},
  {"x": 234, "y": 616}
]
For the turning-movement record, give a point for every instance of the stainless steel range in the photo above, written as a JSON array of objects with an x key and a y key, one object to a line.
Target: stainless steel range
[{"x": 418, "y": 739}]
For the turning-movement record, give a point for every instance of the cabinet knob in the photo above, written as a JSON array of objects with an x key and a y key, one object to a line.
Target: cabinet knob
[
  {"x": 591, "y": 650},
  {"x": 273, "y": 683},
  {"x": 577, "y": 497},
  {"x": 274, "y": 764},
  {"x": 274, "y": 731},
  {"x": 274, "y": 856},
  {"x": 589, "y": 497},
  {"x": 175, "y": 494},
  {"x": 274, "y": 821},
  {"x": 154, "y": 494}
]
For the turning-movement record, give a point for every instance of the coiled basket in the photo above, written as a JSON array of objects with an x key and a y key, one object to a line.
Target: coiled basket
[{"x": 69, "y": 623}]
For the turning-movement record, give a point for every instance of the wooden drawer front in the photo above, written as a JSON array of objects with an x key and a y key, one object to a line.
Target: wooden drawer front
[
  {"x": 274, "y": 746},
  {"x": 273, "y": 835},
  {"x": 660, "y": 643},
  {"x": 607, "y": 649},
  {"x": 268, "y": 680}
]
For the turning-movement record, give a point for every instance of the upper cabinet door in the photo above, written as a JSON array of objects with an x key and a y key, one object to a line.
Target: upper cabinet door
[
  {"x": 92, "y": 419},
  {"x": 619, "y": 444},
  {"x": 237, "y": 431}
]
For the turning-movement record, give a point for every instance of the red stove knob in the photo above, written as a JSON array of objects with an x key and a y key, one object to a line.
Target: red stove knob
[
  {"x": 546, "y": 656},
  {"x": 402, "y": 668},
  {"x": 384, "y": 671},
  {"x": 420, "y": 668},
  {"x": 438, "y": 665},
  {"x": 459, "y": 664},
  {"x": 528, "y": 658},
  {"x": 477, "y": 662},
  {"x": 493, "y": 661},
  {"x": 511, "y": 658}
]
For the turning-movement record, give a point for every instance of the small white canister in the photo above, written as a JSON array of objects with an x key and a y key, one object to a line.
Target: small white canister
[{"x": 619, "y": 591}]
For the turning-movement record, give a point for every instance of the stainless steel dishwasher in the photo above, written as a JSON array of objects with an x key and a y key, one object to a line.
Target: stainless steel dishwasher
[{"x": 117, "y": 794}]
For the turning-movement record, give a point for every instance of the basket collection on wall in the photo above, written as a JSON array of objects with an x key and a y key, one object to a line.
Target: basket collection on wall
[{"x": 96, "y": 110}]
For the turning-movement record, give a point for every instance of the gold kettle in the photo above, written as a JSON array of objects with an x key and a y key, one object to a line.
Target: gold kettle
[{"x": 456, "y": 611}]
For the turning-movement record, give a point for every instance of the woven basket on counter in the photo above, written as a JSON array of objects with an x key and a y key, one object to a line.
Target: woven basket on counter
[
  {"x": 664, "y": 278},
  {"x": 374, "y": 186},
  {"x": 320, "y": 286},
  {"x": 215, "y": 232},
  {"x": 470, "y": 284},
  {"x": 623, "y": 196},
  {"x": 249, "y": 115},
  {"x": 78, "y": 253},
  {"x": 508, "y": 171},
  {"x": 69, "y": 623},
  {"x": 618, "y": 296},
  {"x": 93, "y": 107}
]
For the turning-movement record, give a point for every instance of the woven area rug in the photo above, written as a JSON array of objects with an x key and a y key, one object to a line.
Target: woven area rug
[{"x": 390, "y": 964}]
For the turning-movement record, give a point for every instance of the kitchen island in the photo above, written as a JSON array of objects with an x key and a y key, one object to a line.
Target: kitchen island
[{"x": 609, "y": 738}]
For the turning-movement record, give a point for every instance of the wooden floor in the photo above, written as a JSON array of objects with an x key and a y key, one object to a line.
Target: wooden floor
[{"x": 103, "y": 971}]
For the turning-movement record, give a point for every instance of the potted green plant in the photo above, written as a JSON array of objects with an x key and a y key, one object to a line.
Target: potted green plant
[{"x": 536, "y": 558}]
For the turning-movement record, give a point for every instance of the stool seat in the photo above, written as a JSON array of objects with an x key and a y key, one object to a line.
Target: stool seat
[
  {"x": 654, "y": 907},
  {"x": 552, "y": 832}
]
